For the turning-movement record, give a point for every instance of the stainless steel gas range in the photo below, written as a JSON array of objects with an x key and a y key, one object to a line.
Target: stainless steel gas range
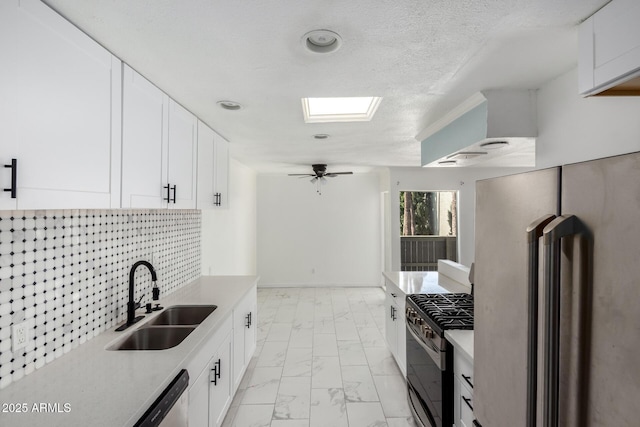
[{"x": 430, "y": 356}]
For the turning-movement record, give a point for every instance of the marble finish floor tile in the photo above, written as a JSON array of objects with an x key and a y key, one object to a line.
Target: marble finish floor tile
[
  {"x": 321, "y": 361},
  {"x": 263, "y": 386},
  {"x": 325, "y": 372},
  {"x": 298, "y": 362},
  {"x": 381, "y": 361},
  {"x": 301, "y": 338},
  {"x": 279, "y": 331},
  {"x": 325, "y": 345},
  {"x": 401, "y": 422},
  {"x": 253, "y": 416},
  {"x": 389, "y": 388},
  {"x": 346, "y": 330},
  {"x": 351, "y": 353},
  {"x": 358, "y": 384},
  {"x": 328, "y": 408},
  {"x": 293, "y": 398},
  {"x": 273, "y": 353},
  {"x": 370, "y": 337},
  {"x": 365, "y": 415},
  {"x": 290, "y": 423}
]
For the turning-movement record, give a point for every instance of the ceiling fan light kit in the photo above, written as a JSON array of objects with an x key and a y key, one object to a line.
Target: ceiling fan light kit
[{"x": 319, "y": 174}]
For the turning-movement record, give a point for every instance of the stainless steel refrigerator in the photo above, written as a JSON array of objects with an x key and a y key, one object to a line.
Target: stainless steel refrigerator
[{"x": 557, "y": 296}]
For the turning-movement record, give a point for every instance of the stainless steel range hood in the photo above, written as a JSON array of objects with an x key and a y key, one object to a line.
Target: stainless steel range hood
[{"x": 492, "y": 128}]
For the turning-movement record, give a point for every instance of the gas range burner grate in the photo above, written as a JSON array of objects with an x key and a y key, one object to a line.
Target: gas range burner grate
[{"x": 447, "y": 311}]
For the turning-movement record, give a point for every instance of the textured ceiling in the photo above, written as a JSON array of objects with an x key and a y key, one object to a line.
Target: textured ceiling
[{"x": 423, "y": 57}]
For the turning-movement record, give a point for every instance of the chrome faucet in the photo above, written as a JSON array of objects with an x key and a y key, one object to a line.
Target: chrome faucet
[{"x": 132, "y": 305}]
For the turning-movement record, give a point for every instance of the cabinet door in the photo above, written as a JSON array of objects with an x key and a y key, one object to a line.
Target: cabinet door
[
  {"x": 245, "y": 320},
  {"x": 199, "y": 400},
  {"x": 182, "y": 157},
  {"x": 206, "y": 198},
  {"x": 391, "y": 330},
  {"x": 240, "y": 319},
  {"x": 144, "y": 123},
  {"x": 250, "y": 331},
  {"x": 401, "y": 337},
  {"x": 221, "y": 171},
  {"x": 60, "y": 110},
  {"x": 220, "y": 384}
]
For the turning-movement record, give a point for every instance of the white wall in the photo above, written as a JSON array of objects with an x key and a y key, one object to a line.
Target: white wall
[
  {"x": 306, "y": 239},
  {"x": 461, "y": 180},
  {"x": 229, "y": 235},
  {"x": 573, "y": 129}
]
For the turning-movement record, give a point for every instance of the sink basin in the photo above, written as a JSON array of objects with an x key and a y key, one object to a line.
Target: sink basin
[
  {"x": 183, "y": 315},
  {"x": 154, "y": 338}
]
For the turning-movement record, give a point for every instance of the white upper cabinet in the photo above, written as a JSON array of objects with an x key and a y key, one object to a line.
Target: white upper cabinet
[
  {"x": 158, "y": 147},
  {"x": 60, "y": 106},
  {"x": 213, "y": 169},
  {"x": 609, "y": 55},
  {"x": 182, "y": 157},
  {"x": 145, "y": 111}
]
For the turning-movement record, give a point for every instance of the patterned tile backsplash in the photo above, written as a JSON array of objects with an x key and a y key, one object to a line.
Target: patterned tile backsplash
[{"x": 66, "y": 273}]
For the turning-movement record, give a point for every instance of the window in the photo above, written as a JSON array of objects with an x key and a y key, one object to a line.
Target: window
[{"x": 428, "y": 229}]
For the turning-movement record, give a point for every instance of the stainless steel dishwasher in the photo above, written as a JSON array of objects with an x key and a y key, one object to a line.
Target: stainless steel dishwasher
[{"x": 171, "y": 408}]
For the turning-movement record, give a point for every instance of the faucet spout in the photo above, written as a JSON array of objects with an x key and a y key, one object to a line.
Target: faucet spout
[{"x": 132, "y": 305}]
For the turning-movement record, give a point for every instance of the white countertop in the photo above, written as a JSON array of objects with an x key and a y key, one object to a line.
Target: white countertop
[
  {"x": 462, "y": 341},
  {"x": 114, "y": 388},
  {"x": 424, "y": 282}
]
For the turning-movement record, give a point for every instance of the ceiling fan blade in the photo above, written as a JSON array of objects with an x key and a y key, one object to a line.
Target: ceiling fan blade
[
  {"x": 314, "y": 179},
  {"x": 334, "y": 174},
  {"x": 301, "y": 174}
]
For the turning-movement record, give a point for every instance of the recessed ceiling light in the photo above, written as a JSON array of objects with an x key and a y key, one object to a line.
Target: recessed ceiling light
[
  {"x": 447, "y": 162},
  {"x": 494, "y": 144},
  {"x": 229, "y": 105},
  {"x": 321, "y": 136},
  {"x": 341, "y": 109},
  {"x": 322, "y": 41}
]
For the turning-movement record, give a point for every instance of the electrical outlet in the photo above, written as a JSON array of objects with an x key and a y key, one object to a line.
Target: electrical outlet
[{"x": 19, "y": 335}]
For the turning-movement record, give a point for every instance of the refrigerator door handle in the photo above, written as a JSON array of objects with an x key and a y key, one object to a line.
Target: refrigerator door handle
[
  {"x": 534, "y": 232},
  {"x": 562, "y": 226}
]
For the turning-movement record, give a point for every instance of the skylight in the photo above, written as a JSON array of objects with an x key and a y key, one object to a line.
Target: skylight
[{"x": 351, "y": 109}]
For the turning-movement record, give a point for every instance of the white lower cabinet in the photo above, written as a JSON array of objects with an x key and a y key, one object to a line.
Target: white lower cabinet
[
  {"x": 245, "y": 319},
  {"x": 220, "y": 394},
  {"x": 462, "y": 391},
  {"x": 395, "y": 329},
  {"x": 213, "y": 371}
]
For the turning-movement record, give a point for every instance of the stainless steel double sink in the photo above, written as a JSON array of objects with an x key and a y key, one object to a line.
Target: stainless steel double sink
[{"x": 167, "y": 330}]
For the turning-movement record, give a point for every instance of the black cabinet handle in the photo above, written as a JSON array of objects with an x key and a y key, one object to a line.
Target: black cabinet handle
[
  {"x": 468, "y": 380},
  {"x": 168, "y": 198},
  {"x": 217, "y": 199},
  {"x": 393, "y": 313},
  {"x": 249, "y": 320},
  {"x": 468, "y": 402},
  {"x": 216, "y": 372},
  {"x": 175, "y": 192},
  {"x": 14, "y": 178},
  {"x": 393, "y": 295}
]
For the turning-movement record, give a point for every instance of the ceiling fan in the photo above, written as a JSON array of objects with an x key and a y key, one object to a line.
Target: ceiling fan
[{"x": 319, "y": 174}]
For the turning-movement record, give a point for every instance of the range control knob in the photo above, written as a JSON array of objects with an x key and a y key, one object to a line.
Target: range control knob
[{"x": 427, "y": 332}]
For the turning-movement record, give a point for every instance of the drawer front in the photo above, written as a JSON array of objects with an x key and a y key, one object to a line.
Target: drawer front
[
  {"x": 466, "y": 407},
  {"x": 463, "y": 369}
]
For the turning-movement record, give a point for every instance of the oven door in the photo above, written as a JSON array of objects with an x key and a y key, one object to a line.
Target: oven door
[{"x": 429, "y": 382}]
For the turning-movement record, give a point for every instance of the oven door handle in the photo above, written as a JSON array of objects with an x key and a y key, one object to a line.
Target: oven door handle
[{"x": 433, "y": 353}]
